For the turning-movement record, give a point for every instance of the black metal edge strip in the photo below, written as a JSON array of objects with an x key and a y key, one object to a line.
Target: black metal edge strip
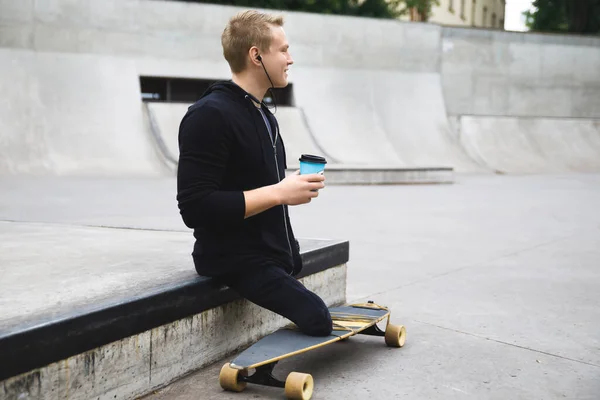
[
  {"x": 32, "y": 348},
  {"x": 323, "y": 258}
]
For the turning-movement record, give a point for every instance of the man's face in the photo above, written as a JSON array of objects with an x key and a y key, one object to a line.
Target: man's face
[{"x": 278, "y": 59}]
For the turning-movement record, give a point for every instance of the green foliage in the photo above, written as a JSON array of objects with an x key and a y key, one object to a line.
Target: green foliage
[
  {"x": 419, "y": 9},
  {"x": 422, "y": 7},
  {"x": 574, "y": 16},
  {"x": 366, "y": 8}
]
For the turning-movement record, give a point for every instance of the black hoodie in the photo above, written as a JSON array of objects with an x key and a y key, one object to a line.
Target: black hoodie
[{"x": 224, "y": 150}]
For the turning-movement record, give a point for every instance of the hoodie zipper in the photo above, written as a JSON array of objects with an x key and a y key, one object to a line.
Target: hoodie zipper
[
  {"x": 282, "y": 206},
  {"x": 274, "y": 143}
]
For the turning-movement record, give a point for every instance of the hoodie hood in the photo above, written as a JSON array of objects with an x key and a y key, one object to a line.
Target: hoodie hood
[{"x": 231, "y": 89}]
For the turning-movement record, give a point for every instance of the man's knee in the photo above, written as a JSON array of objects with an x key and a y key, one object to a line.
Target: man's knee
[{"x": 319, "y": 324}]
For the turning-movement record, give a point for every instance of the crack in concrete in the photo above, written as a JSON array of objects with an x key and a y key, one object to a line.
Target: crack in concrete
[
  {"x": 76, "y": 225},
  {"x": 508, "y": 344}
]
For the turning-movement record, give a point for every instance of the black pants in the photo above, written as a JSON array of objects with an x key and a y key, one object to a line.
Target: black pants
[{"x": 272, "y": 288}]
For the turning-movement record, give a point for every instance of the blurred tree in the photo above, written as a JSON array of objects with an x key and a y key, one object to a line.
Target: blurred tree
[
  {"x": 574, "y": 16},
  {"x": 418, "y": 10},
  {"x": 363, "y": 8}
]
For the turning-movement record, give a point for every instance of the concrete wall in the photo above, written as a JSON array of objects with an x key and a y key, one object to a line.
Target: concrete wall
[
  {"x": 182, "y": 31},
  {"x": 514, "y": 74},
  {"x": 182, "y": 39}
]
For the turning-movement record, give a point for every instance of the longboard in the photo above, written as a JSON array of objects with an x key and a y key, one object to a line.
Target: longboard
[{"x": 348, "y": 320}]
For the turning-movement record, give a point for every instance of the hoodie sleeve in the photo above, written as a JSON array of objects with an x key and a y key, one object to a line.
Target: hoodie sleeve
[{"x": 204, "y": 149}]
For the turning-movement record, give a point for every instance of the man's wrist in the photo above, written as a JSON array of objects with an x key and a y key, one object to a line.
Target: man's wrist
[{"x": 275, "y": 195}]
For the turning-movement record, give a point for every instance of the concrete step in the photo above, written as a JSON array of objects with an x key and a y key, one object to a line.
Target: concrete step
[{"x": 111, "y": 318}]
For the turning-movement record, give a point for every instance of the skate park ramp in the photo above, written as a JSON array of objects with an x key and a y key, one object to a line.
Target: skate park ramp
[
  {"x": 532, "y": 145},
  {"x": 164, "y": 120},
  {"x": 379, "y": 117},
  {"x": 64, "y": 114}
]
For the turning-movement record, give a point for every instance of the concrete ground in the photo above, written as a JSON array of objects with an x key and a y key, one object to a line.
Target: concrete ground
[{"x": 495, "y": 277}]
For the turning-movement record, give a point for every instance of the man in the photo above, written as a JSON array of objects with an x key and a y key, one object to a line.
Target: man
[{"x": 231, "y": 182}]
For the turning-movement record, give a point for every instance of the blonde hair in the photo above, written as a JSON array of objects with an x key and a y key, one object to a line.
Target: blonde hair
[{"x": 244, "y": 30}]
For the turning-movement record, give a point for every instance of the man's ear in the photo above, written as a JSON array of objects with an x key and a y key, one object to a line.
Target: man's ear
[{"x": 255, "y": 57}]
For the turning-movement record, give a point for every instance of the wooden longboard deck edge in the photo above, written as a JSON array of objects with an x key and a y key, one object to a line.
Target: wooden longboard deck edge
[
  {"x": 370, "y": 306},
  {"x": 283, "y": 356}
]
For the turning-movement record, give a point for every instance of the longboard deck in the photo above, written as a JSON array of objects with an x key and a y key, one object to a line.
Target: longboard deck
[{"x": 348, "y": 320}]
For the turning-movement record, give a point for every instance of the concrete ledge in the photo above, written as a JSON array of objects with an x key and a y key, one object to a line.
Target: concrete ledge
[
  {"x": 128, "y": 349},
  {"x": 375, "y": 175}
]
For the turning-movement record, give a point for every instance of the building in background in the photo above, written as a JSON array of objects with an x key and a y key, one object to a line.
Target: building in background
[{"x": 476, "y": 13}]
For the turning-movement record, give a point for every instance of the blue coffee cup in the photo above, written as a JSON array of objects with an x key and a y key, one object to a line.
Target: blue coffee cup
[{"x": 310, "y": 164}]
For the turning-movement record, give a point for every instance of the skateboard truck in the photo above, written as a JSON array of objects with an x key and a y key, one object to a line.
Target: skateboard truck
[
  {"x": 263, "y": 376},
  {"x": 298, "y": 386},
  {"x": 373, "y": 331}
]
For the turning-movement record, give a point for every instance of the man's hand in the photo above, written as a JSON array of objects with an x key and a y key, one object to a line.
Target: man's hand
[
  {"x": 299, "y": 189},
  {"x": 293, "y": 190}
]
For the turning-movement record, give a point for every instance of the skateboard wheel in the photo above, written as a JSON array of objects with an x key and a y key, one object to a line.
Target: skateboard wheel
[
  {"x": 395, "y": 335},
  {"x": 228, "y": 379},
  {"x": 299, "y": 386}
]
